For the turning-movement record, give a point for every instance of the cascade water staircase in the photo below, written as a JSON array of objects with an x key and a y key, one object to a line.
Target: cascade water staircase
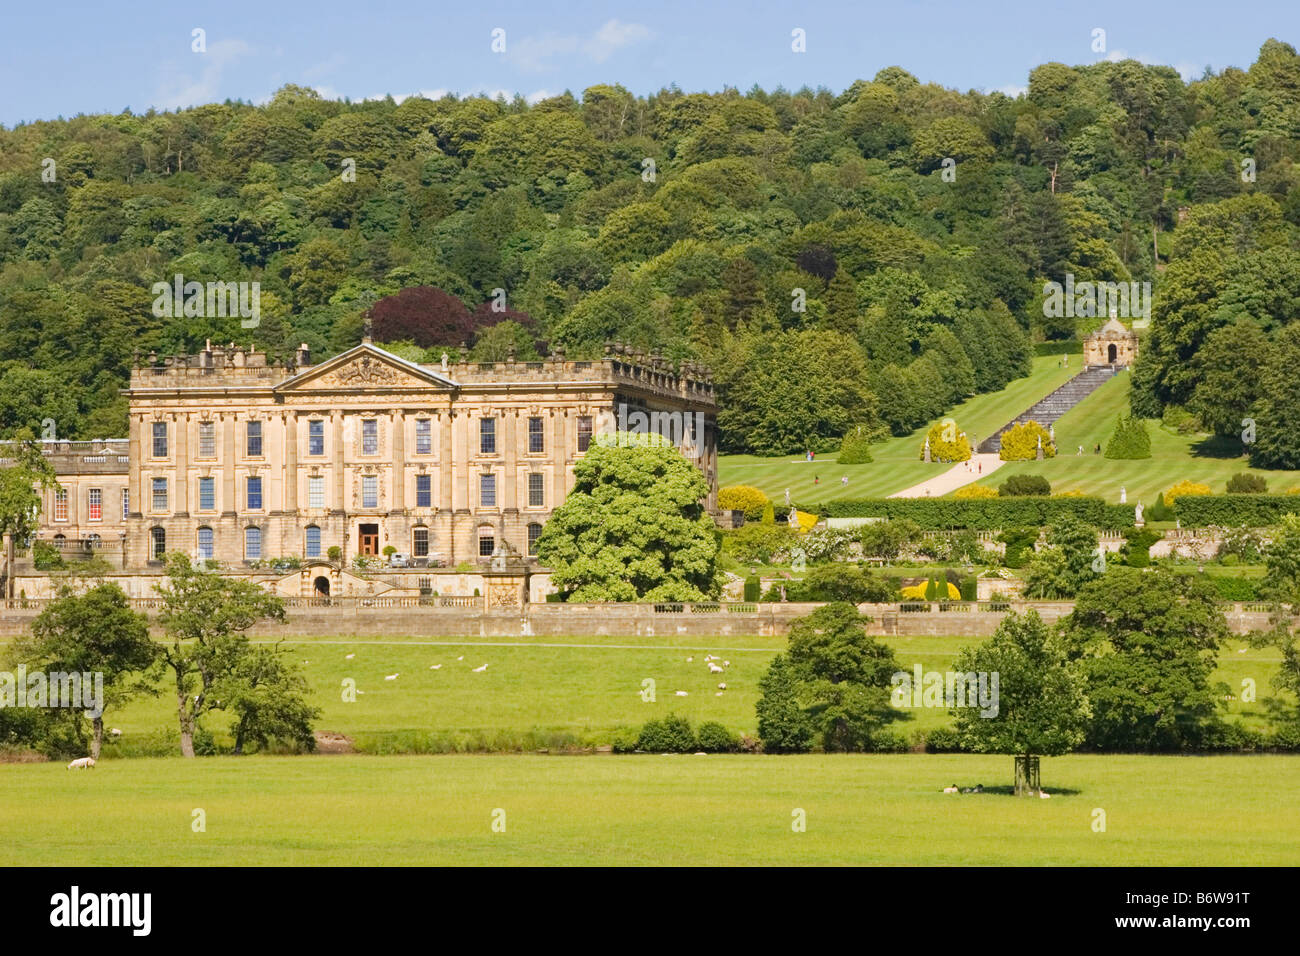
[{"x": 1049, "y": 409}]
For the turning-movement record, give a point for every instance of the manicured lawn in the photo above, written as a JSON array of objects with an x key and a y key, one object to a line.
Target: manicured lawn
[
  {"x": 897, "y": 462},
  {"x": 650, "y": 810},
  {"x": 1173, "y": 458},
  {"x": 537, "y": 696}
]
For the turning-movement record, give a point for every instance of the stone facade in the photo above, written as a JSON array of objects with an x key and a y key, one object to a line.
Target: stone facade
[
  {"x": 232, "y": 458},
  {"x": 1112, "y": 344}
]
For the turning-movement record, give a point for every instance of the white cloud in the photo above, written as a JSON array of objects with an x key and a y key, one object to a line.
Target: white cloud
[
  {"x": 183, "y": 89},
  {"x": 534, "y": 53},
  {"x": 537, "y": 96},
  {"x": 1012, "y": 90},
  {"x": 613, "y": 36}
]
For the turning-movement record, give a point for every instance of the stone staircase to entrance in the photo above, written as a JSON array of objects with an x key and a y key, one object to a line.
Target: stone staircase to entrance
[{"x": 1049, "y": 409}]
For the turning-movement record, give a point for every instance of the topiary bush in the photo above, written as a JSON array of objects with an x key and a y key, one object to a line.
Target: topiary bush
[
  {"x": 1247, "y": 484},
  {"x": 855, "y": 449},
  {"x": 744, "y": 498},
  {"x": 753, "y": 588},
  {"x": 1023, "y": 486},
  {"x": 947, "y": 442},
  {"x": 1129, "y": 440},
  {"x": 670, "y": 734},
  {"x": 716, "y": 739},
  {"x": 1020, "y": 442}
]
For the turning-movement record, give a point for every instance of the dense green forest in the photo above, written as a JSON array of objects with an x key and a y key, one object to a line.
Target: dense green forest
[{"x": 863, "y": 258}]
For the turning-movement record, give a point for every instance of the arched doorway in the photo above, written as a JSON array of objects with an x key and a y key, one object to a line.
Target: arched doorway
[
  {"x": 1112, "y": 353},
  {"x": 322, "y": 586}
]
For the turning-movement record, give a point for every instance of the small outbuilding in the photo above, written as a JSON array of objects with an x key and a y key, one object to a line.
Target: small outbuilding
[{"x": 1112, "y": 344}]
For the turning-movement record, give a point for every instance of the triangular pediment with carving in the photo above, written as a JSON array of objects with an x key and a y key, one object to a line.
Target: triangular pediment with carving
[{"x": 365, "y": 367}]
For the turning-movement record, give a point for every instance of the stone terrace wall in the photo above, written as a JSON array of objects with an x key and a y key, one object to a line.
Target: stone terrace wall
[{"x": 353, "y": 618}]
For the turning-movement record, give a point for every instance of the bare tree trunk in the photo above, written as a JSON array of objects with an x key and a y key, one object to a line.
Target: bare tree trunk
[{"x": 97, "y": 743}]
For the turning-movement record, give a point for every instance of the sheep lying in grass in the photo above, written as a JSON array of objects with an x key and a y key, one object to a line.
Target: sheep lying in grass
[{"x": 82, "y": 763}]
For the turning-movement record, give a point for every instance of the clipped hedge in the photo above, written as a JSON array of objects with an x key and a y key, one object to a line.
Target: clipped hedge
[
  {"x": 1230, "y": 511},
  {"x": 985, "y": 514}
]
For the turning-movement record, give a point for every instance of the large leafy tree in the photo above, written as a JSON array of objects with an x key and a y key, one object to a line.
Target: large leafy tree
[
  {"x": 206, "y": 617},
  {"x": 1042, "y": 707},
  {"x": 634, "y": 526},
  {"x": 21, "y": 484},
  {"x": 94, "y": 633},
  {"x": 832, "y": 685},
  {"x": 1146, "y": 642}
]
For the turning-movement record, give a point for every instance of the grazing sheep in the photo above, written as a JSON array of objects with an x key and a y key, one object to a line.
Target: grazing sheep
[
  {"x": 726, "y": 663},
  {"x": 348, "y": 657},
  {"x": 715, "y": 669},
  {"x": 722, "y": 686},
  {"x": 690, "y": 660},
  {"x": 115, "y": 732},
  {"x": 681, "y": 693},
  {"x": 393, "y": 676},
  {"x": 952, "y": 789},
  {"x": 1044, "y": 795},
  {"x": 709, "y": 657},
  {"x": 82, "y": 763},
  {"x": 480, "y": 670},
  {"x": 434, "y": 667},
  {"x": 718, "y": 694},
  {"x": 461, "y": 658}
]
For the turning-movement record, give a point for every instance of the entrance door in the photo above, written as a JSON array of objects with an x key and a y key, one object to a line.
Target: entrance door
[
  {"x": 322, "y": 586},
  {"x": 1111, "y": 352},
  {"x": 370, "y": 539}
]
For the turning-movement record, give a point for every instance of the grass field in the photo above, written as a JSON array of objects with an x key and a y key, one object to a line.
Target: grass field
[
  {"x": 897, "y": 463},
  {"x": 651, "y": 810},
  {"x": 538, "y": 695},
  {"x": 1173, "y": 458},
  {"x": 1090, "y": 423}
]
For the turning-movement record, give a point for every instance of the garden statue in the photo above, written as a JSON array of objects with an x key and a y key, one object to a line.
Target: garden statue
[
  {"x": 1123, "y": 495},
  {"x": 1137, "y": 514}
]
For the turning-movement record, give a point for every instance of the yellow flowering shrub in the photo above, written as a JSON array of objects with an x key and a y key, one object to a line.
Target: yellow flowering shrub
[
  {"x": 1185, "y": 488},
  {"x": 975, "y": 491},
  {"x": 744, "y": 498}
]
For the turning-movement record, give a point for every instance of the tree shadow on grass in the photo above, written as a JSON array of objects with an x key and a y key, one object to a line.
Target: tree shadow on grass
[
  {"x": 1220, "y": 446},
  {"x": 1010, "y": 791}
]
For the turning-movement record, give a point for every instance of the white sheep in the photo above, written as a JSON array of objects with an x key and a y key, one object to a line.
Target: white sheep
[
  {"x": 115, "y": 732},
  {"x": 82, "y": 763},
  {"x": 690, "y": 660},
  {"x": 681, "y": 693},
  {"x": 480, "y": 670},
  {"x": 348, "y": 657},
  {"x": 393, "y": 676},
  {"x": 715, "y": 669},
  {"x": 726, "y": 663},
  {"x": 1044, "y": 795},
  {"x": 722, "y": 686},
  {"x": 952, "y": 789},
  {"x": 434, "y": 667}
]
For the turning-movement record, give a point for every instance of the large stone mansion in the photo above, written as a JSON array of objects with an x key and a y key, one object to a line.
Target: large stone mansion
[{"x": 238, "y": 460}]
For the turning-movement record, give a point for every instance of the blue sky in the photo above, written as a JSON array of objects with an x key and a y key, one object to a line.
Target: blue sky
[{"x": 87, "y": 57}]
